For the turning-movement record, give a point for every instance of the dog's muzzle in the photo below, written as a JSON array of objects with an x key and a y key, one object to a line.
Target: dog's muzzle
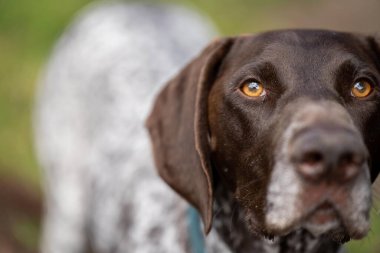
[{"x": 320, "y": 180}]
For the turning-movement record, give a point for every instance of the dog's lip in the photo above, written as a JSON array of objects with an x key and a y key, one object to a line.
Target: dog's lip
[
  {"x": 319, "y": 219},
  {"x": 327, "y": 217},
  {"x": 322, "y": 219},
  {"x": 323, "y": 214}
]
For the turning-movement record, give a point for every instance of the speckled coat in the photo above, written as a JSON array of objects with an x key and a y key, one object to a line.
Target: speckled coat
[{"x": 102, "y": 190}]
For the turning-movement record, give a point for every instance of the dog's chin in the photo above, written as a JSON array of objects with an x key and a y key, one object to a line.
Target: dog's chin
[
  {"x": 333, "y": 229},
  {"x": 324, "y": 221}
]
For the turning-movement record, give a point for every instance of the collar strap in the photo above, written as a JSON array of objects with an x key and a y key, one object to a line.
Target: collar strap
[{"x": 195, "y": 234}]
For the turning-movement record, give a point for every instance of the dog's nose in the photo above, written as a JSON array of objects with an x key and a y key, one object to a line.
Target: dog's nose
[{"x": 328, "y": 152}]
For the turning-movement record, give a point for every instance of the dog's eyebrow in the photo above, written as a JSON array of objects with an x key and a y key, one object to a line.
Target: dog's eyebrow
[
  {"x": 351, "y": 69},
  {"x": 263, "y": 70}
]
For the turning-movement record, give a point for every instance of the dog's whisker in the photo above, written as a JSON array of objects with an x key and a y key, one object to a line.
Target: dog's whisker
[{"x": 255, "y": 180}]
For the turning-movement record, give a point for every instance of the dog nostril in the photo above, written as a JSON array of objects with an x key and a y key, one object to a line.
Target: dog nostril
[
  {"x": 349, "y": 165},
  {"x": 312, "y": 158},
  {"x": 311, "y": 165},
  {"x": 350, "y": 158}
]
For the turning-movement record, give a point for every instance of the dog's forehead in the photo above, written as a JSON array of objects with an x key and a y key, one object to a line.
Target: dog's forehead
[
  {"x": 297, "y": 56},
  {"x": 296, "y": 46}
]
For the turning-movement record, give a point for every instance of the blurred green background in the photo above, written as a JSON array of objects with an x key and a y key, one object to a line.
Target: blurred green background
[{"x": 28, "y": 30}]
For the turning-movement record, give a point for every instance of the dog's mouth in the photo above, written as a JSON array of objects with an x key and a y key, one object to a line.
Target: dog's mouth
[{"x": 322, "y": 219}]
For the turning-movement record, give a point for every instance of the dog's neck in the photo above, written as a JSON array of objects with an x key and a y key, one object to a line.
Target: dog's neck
[{"x": 229, "y": 223}]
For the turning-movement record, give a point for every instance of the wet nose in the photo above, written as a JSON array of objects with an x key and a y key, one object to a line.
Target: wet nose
[{"x": 328, "y": 152}]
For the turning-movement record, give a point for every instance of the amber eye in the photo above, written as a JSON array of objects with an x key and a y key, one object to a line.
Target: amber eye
[
  {"x": 361, "y": 89},
  {"x": 253, "y": 89}
]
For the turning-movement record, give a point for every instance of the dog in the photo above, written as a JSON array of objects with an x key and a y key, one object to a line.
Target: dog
[{"x": 271, "y": 137}]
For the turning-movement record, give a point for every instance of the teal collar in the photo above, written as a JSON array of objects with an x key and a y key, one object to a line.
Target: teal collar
[{"x": 196, "y": 237}]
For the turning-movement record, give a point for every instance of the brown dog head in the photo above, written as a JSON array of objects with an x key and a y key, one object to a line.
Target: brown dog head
[{"x": 287, "y": 120}]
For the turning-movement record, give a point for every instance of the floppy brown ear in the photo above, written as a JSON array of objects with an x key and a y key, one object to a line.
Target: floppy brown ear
[{"x": 179, "y": 131}]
